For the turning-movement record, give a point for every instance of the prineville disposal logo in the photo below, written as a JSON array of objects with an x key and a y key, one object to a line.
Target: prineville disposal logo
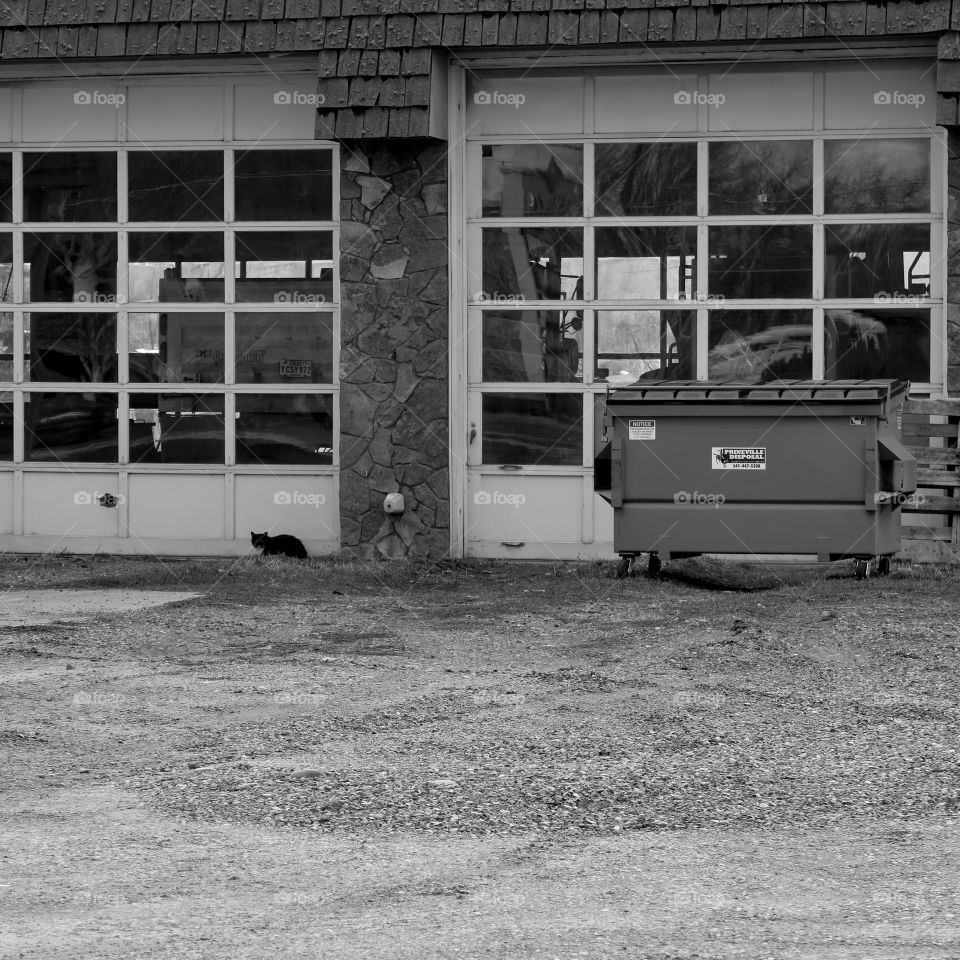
[{"x": 739, "y": 458}]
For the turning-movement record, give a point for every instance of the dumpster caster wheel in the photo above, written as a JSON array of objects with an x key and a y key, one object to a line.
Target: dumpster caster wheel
[
  {"x": 653, "y": 566},
  {"x": 623, "y": 567},
  {"x": 862, "y": 569},
  {"x": 883, "y": 567}
]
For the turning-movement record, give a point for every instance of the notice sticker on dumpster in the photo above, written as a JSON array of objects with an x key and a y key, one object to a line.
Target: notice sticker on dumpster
[
  {"x": 739, "y": 458},
  {"x": 642, "y": 429}
]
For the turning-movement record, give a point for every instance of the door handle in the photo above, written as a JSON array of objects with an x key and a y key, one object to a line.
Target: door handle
[{"x": 473, "y": 433}]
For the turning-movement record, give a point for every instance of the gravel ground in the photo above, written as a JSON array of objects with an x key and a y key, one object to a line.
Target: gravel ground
[{"x": 413, "y": 760}]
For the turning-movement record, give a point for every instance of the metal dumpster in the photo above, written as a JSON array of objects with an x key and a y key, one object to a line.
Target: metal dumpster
[{"x": 791, "y": 467}]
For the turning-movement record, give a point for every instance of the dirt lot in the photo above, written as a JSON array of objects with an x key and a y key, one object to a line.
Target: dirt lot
[{"x": 330, "y": 760}]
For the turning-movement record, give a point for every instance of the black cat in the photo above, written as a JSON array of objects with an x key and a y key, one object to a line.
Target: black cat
[{"x": 282, "y": 546}]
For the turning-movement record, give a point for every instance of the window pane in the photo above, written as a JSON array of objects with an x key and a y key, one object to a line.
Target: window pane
[
  {"x": 69, "y": 187},
  {"x": 761, "y": 262},
  {"x": 646, "y": 180},
  {"x": 6, "y": 268},
  {"x": 79, "y": 347},
  {"x": 877, "y": 260},
  {"x": 176, "y": 428},
  {"x": 284, "y": 185},
  {"x": 70, "y": 427},
  {"x": 757, "y": 346},
  {"x": 284, "y": 429},
  {"x": 533, "y": 428},
  {"x": 533, "y": 180},
  {"x": 529, "y": 263},
  {"x": 646, "y": 263},
  {"x": 6, "y": 426},
  {"x": 532, "y": 346},
  {"x": 175, "y": 185},
  {"x": 748, "y": 178},
  {"x": 865, "y": 344},
  {"x": 646, "y": 345},
  {"x": 6, "y": 348},
  {"x": 188, "y": 348},
  {"x": 285, "y": 268},
  {"x": 70, "y": 267},
  {"x": 284, "y": 347},
  {"x": 176, "y": 267},
  {"x": 876, "y": 176},
  {"x": 6, "y": 187}
]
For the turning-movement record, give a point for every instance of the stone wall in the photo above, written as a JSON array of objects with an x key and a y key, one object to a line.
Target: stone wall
[{"x": 394, "y": 423}]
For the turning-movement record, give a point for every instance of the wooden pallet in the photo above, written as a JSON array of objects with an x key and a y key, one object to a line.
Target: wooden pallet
[{"x": 931, "y": 430}]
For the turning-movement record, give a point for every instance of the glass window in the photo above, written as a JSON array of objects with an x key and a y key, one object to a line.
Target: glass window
[
  {"x": 285, "y": 268},
  {"x": 176, "y": 267},
  {"x": 753, "y": 177},
  {"x": 6, "y": 426},
  {"x": 77, "y": 347},
  {"x": 6, "y": 187},
  {"x": 757, "y": 346},
  {"x": 6, "y": 268},
  {"x": 530, "y": 263},
  {"x": 6, "y": 347},
  {"x": 284, "y": 185},
  {"x": 646, "y": 263},
  {"x": 533, "y": 428},
  {"x": 533, "y": 180},
  {"x": 69, "y": 187},
  {"x": 70, "y": 427},
  {"x": 645, "y": 345},
  {"x": 867, "y": 344},
  {"x": 876, "y": 176},
  {"x": 70, "y": 267},
  {"x": 881, "y": 260},
  {"x": 284, "y": 348},
  {"x": 646, "y": 179},
  {"x": 532, "y": 346},
  {"x": 176, "y": 347},
  {"x": 176, "y": 428},
  {"x": 175, "y": 185},
  {"x": 284, "y": 429},
  {"x": 761, "y": 262}
]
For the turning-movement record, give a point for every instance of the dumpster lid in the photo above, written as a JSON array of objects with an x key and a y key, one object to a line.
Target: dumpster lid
[{"x": 732, "y": 391}]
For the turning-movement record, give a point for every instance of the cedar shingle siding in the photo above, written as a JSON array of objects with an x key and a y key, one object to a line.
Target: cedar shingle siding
[{"x": 376, "y": 55}]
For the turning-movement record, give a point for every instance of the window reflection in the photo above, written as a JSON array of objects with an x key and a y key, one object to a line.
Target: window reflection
[
  {"x": 646, "y": 180},
  {"x": 70, "y": 427},
  {"x": 533, "y": 428},
  {"x": 284, "y": 429},
  {"x": 529, "y": 263},
  {"x": 6, "y": 426},
  {"x": 284, "y": 347},
  {"x": 283, "y": 185},
  {"x": 867, "y": 344},
  {"x": 532, "y": 346},
  {"x": 285, "y": 268},
  {"x": 79, "y": 347},
  {"x": 761, "y": 262},
  {"x": 877, "y": 260},
  {"x": 176, "y": 267},
  {"x": 645, "y": 345},
  {"x": 757, "y": 346},
  {"x": 71, "y": 267},
  {"x": 175, "y": 185},
  {"x": 531, "y": 179},
  {"x": 6, "y": 349},
  {"x": 757, "y": 177},
  {"x": 176, "y": 347},
  {"x": 876, "y": 176},
  {"x": 646, "y": 263},
  {"x": 6, "y": 187},
  {"x": 69, "y": 187},
  {"x": 6, "y": 268},
  {"x": 176, "y": 428}
]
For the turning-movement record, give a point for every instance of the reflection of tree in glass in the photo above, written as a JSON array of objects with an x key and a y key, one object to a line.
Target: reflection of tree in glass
[
  {"x": 876, "y": 176},
  {"x": 759, "y": 177},
  {"x": 646, "y": 179}
]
